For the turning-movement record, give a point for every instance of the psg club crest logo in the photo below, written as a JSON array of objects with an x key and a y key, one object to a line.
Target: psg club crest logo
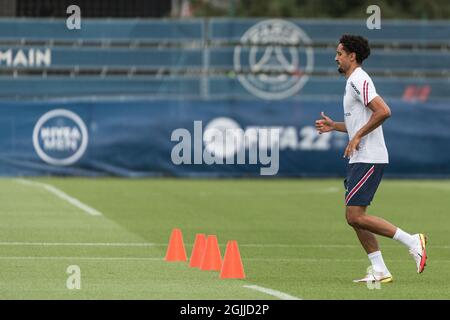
[{"x": 273, "y": 59}]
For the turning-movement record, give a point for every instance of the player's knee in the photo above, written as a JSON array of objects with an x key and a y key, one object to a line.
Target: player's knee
[
  {"x": 353, "y": 218},
  {"x": 352, "y": 221}
]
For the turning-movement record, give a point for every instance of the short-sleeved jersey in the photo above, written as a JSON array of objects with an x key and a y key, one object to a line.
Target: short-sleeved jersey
[{"x": 359, "y": 91}]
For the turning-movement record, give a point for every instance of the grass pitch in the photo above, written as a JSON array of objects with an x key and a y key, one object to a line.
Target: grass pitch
[{"x": 292, "y": 236}]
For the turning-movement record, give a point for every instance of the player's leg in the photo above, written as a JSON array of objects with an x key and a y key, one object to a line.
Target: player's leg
[
  {"x": 416, "y": 244},
  {"x": 366, "y": 226},
  {"x": 367, "y": 240},
  {"x": 370, "y": 244},
  {"x": 361, "y": 184},
  {"x": 357, "y": 218},
  {"x": 360, "y": 221}
]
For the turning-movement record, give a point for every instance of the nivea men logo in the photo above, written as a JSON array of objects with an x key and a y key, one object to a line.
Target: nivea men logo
[
  {"x": 354, "y": 87},
  {"x": 25, "y": 58},
  {"x": 60, "y": 137}
]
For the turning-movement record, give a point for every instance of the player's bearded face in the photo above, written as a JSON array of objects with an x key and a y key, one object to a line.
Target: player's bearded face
[
  {"x": 341, "y": 68},
  {"x": 341, "y": 57},
  {"x": 342, "y": 65}
]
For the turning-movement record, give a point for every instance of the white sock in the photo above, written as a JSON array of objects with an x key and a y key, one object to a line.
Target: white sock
[
  {"x": 405, "y": 238},
  {"x": 378, "y": 263}
]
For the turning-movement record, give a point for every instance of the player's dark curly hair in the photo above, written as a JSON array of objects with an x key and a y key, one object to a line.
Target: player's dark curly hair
[{"x": 356, "y": 44}]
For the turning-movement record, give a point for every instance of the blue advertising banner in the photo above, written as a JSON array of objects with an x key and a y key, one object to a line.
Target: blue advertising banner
[{"x": 138, "y": 138}]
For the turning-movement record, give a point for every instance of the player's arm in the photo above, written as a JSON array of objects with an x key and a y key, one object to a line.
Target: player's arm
[
  {"x": 326, "y": 124},
  {"x": 340, "y": 126},
  {"x": 380, "y": 112}
]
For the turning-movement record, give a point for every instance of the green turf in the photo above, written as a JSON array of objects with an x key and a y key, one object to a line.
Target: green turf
[{"x": 292, "y": 236}]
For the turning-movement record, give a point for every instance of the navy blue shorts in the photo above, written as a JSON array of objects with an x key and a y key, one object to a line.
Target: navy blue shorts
[{"x": 362, "y": 182}]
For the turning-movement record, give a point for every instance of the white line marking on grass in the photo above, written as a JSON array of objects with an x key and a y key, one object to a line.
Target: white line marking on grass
[
  {"x": 85, "y": 258},
  {"x": 279, "y": 245},
  {"x": 246, "y": 193},
  {"x": 150, "y": 244},
  {"x": 427, "y": 185},
  {"x": 162, "y": 259},
  {"x": 325, "y": 246},
  {"x": 278, "y": 260},
  {"x": 275, "y": 293},
  {"x": 60, "y": 194},
  {"x": 306, "y": 259},
  {"x": 330, "y": 189},
  {"x": 81, "y": 244}
]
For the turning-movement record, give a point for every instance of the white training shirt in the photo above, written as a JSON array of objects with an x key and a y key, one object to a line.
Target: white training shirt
[{"x": 359, "y": 91}]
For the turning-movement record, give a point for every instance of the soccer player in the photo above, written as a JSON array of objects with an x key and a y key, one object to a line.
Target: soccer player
[{"x": 364, "y": 113}]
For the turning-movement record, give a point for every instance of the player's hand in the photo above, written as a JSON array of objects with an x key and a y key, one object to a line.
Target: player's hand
[
  {"x": 325, "y": 124},
  {"x": 352, "y": 146}
]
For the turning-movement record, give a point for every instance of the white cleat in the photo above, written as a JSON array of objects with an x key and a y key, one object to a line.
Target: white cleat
[
  {"x": 378, "y": 277},
  {"x": 418, "y": 252}
]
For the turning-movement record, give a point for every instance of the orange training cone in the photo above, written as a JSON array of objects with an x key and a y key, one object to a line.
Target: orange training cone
[
  {"x": 198, "y": 251},
  {"x": 175, "y": 250},
  {"x": 232, "y": 267},
  {"x": 211, "y": 259}
]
